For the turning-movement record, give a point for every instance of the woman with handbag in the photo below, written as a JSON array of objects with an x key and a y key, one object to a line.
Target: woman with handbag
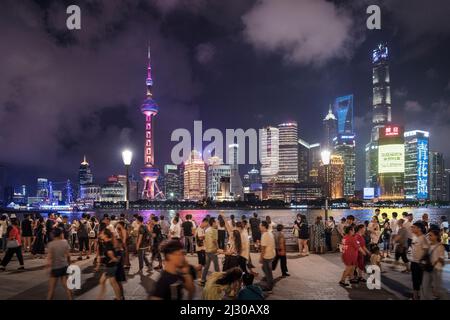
[{"x": 13, "y": 246}]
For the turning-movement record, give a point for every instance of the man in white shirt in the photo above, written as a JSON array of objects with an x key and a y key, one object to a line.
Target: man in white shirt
[
  {"x": 394, "y": 228},
  {"x": 408, "y": 225},
  {"x": 267, "y": 253}
]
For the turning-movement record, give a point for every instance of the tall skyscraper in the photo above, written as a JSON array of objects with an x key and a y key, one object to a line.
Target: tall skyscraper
[
  {"x": 391, "y": 163},
  {"x": 217, "y": 170},
  {"x": 330, "y": 130},
  {"x": 345, "y": 141},
  {"x": 150, "y": 109},
  {"x": 437, "y": 169},
  {"x": 171, "y": 182},
  {"x": 42, "y": 188},
  {"x": 269, "y": 154},
  {"x": 381, "y": 112},
  {"x": 237, "y": 189},
  {"x": 331, "y": 177},
  {"x": 416, "y": 164},
  {"x": 303, "y": 161},
  {"x": 343, "y": 108},
  {"x": 85, "y": 177},
  {"x": 345, "y": 148},
  {"x": 194, "y": 177},
  {"x": 446, "y": 196},
  {"x": 288, "y": 152}
]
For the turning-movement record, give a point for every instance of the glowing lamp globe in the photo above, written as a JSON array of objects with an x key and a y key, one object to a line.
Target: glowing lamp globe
[
  {"x": 127, "y": 156},
  {"x": 325, "y": 155}
]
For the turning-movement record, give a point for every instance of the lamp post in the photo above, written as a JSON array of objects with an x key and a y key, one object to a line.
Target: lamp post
[
  {"x": 326, "y": 155},
  {"x": 127, "y": 155}
]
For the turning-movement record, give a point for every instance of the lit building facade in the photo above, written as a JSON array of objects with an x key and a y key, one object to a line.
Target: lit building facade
[
  {"x": 171, "y": 182},
  {"x": 303, "y": 161},
  {"x": 269, "y": 154},
  {"x": 85, "y": 176},
  {"x": 217, "y": 170},
  {"x": 416, "y": 164},
  {"x": 331, "y": 178},
  {"x": 114, "y": 190},
  {"x": 291, "y": 191},
  {"x": 237, "y": 189},
  {"x": 345, "y": 148},
  {"x": 391, "y": 163},
  {"x": 42, "y": 188},
  {"x": 288, "y": 152},
  {"x": 437, "y": 170},
  {"x": 194, "y": 177}
]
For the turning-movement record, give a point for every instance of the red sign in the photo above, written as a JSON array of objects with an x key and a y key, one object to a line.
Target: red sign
[{"x": 391, "y": 131}]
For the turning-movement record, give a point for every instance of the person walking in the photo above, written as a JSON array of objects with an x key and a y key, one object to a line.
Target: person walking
[
  {"x": 267, "y": 254},
  {"x": 157, "y": 238},
  {"x": 27, "y": 232},
  {"x": 419, "y": 248},
  {"x": 221, "y": 232},
  {"x": 280, "y": 247},
  {"x": 432, "y": 282},
  {"x": 363, "y": 253},
  {"x": 58, "y": 260},
  {"x": 394, "y": 230},
  {"x": 175, "y": 229},
  {"x": 319, "y": 235},
  {"x": 386, "y": 236},
  {"x": 401, "y": 245},
  {"x": 83, "y": 237},
  {"x": 330, "y": 225},
  {"x": 112, "y": 262},
  {"x": 38, "y": 245},
  {"x": 188, "y": 233},
  {"x": 211, "y": 249},
  {"x": 165, "y": 227},
  {"x": 13, "y": 246},
  {"x": 176, "y": 274},
  {"x": 254, "y": 228},
  {"x": 200, "y": 244},
  {"x": 350, "y": 250},
  {"x": 143, "y": 244}
]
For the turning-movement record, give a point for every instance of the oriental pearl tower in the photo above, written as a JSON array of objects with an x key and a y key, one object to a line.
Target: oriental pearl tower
[{"x": 149, "y": 173}]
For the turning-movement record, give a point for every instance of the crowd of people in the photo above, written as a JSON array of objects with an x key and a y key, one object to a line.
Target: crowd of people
[
  {"x": 369, "y": 243},
  {"x": 163, "y": 245}
]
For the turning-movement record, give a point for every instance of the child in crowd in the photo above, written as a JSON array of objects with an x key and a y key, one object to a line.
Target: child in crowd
[
  {"x": 250, "y": 291},
  {"x": 375, "y": 258}
]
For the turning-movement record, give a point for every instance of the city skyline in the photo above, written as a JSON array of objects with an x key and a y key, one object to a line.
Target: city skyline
[{"x": 290, "y": 90}]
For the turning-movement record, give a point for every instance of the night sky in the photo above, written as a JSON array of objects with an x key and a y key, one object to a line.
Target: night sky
[{"x": 230, "y": 63}]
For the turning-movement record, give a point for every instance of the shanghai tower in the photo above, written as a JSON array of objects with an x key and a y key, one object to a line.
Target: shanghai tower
[{"x": 381, "y": 110}]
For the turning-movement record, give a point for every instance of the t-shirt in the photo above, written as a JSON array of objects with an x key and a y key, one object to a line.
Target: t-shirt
[
  {"x": 145, "y": 237},
  {"x": 169, "y": 286},
  {"x": 394, "y": 226},
  {"x": 26, "y": 227},
  {"x": 200, "y": 243},
  {"x": 175, "y": 230},
  {"x": 419, "y": 248},
  {"x": 437, "y": 252},
  {"x": 187, "y": 228},
  {"x": 407, "y": 225},
  {"x": 444, "y": 224},
  {"x": 211, "y": 237},
  {"x": 108, "y": 246},
  {"x": 254, "y": 224},
  {"x": 402, "y": 234},
  {"x": 83, "y": 230},
  {"x": 58, "y": 250},
  {"x": 268, "y": 241},
  {"x": 444, "y": 238}
]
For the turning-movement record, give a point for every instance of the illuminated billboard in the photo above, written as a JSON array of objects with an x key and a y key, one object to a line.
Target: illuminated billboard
[
  {"x": 391, "y": 158},
  {"x": 422, "y": 168},
  {"x": 369, "y": 193}
]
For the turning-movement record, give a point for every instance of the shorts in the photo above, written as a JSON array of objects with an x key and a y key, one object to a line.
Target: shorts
[
  {"x": 58, "y": 273},
  {"x": 201, "y": 257},
  {"x": 83, "y": 244}
]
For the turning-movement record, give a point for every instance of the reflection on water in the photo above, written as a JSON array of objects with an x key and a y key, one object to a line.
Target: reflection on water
[{"x": 284, "y": 216}]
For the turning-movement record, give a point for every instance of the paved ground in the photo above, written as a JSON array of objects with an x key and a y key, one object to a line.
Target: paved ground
[{"x": 314, "y": 277}]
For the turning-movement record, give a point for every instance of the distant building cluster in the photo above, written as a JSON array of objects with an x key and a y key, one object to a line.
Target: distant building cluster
[{"x": 398, "y": 163}]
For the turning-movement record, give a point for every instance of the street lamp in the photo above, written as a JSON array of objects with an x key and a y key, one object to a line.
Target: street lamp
[
  {"x": 326, "y": 155},
  {"x": 127, "y": 155}
]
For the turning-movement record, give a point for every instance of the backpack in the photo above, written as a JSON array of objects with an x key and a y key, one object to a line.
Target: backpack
[
  {"x": 82, "y": 231},
  {"x": 146, "y": 237},
  {"x": 92, "y": 231},
  {"x": 425, "y": 262}
]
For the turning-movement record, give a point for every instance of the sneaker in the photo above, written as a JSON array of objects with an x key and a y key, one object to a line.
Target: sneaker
[
  {"x": 286, "y": 275},
  {"x": 345, "y": 284},
  {"x": 21, "y": 268}
]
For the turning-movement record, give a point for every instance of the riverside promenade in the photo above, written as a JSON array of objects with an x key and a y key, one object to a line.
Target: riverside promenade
[{"x": 314, "y": 277}]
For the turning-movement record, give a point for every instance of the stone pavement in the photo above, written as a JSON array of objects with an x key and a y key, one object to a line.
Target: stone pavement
[{"x": 314, "y": 277}]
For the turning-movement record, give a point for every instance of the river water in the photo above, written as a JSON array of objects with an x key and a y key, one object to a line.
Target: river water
[{"x": 283, "y": 216}]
